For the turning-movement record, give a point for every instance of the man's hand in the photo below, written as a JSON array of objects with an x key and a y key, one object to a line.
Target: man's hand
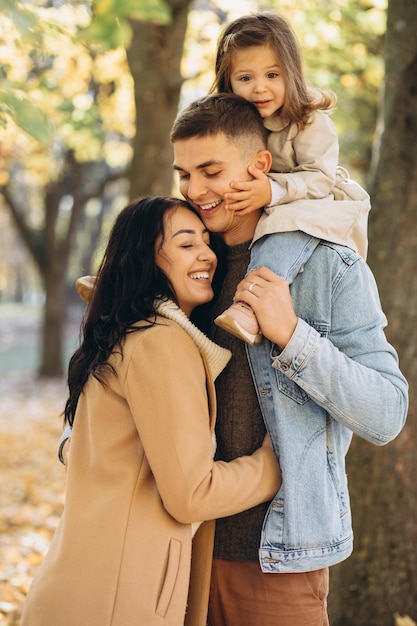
[
  {"x": 270, "y": 298},
  {"x": 249, "y": 195}
]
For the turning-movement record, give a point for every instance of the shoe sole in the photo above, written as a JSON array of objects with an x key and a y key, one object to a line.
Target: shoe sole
[{"x": 226, "y": 322}]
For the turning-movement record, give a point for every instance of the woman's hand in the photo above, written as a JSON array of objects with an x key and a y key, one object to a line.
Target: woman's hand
[{"x": 267, "y": 442}]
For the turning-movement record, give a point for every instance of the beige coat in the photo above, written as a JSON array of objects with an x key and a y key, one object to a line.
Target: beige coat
[
  {"x": 141, "y": 471},
  {"x": 320, "y": 198}
]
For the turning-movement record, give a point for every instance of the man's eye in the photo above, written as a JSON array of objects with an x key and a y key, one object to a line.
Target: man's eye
[{"x": 212, "y": 174}]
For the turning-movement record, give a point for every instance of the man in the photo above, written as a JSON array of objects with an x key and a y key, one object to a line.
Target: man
[{"x": 323, "y": 371}]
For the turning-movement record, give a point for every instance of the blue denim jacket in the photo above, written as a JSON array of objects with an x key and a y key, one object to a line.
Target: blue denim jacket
[{"x": 337, "y": 376}]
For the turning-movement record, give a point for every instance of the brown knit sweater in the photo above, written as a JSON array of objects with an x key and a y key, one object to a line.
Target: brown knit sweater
[{"x": 240, "y": 428}]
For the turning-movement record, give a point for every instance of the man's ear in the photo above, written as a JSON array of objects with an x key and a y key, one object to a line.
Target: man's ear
[{"x": 263, "y": 161}]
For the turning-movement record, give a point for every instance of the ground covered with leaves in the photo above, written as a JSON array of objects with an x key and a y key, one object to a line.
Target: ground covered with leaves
[{"x": 32, "y": 483}]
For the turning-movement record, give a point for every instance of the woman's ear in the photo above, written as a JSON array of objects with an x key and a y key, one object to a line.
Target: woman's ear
[{"x": 263, "y": 161}]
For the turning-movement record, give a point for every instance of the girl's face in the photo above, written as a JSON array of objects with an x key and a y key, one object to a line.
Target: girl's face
[
  {"x": 257, "y": 76},
  {"x": 185, "y": 257}
]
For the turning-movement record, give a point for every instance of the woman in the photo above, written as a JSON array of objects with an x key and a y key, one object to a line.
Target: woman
[{"x": 141, "y": 470}]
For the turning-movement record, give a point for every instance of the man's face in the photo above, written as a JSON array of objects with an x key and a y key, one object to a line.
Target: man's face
[{"x": 206, "y": 166}]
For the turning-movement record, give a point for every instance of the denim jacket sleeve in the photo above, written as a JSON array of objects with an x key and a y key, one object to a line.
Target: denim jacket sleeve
[{"x": 351, "y": 371}]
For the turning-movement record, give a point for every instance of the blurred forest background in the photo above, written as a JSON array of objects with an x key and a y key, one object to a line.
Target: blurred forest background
[{"x": 88, "y": 93}]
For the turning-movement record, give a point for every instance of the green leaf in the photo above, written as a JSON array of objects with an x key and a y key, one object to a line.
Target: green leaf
[
  {"x": 149, "y": 10},
  {"x": 25, "y": 21},
  {"x": 110, "y": 27},
  {"x": 106, "y": 32},
  {"x": 27, "y": 116}
]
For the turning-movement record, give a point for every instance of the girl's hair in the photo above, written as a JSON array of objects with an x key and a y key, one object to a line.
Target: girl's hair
[
  {"x": 127, "y": 284},
  {"x": 269, "y": 29}
]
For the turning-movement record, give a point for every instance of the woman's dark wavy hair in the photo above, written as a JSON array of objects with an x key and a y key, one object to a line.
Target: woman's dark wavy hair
[{"x": 127, "y": 284}]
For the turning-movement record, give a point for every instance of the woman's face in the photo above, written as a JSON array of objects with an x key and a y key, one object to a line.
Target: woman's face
[{"x": 185, "y": 257}]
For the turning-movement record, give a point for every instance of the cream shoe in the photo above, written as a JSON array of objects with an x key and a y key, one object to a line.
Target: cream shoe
[{"x": 240, "y": 320}]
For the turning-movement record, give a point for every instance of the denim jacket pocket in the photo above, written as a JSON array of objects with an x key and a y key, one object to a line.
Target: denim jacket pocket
[{"x": 290, "y": 389}]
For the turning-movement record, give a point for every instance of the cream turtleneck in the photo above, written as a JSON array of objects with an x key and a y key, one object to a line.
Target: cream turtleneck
[{"x": 217, "y": 357}]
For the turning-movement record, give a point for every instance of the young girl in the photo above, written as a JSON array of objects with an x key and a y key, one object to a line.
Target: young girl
[{"x": 259, "y": 58}]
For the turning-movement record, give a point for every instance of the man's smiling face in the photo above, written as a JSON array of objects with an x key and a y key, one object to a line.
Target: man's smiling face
[{"x": 206, "y": 166}]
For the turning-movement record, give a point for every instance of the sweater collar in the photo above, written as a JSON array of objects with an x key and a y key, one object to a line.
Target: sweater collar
[{"x": 217, "y": 357}]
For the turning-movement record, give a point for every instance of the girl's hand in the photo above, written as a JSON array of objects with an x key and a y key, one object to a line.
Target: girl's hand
[
  {"x": 250, "y": 195},
  {"x": 270, "y": 298}
]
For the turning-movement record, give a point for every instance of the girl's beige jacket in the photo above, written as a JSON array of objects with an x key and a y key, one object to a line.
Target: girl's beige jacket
[{"x": 141, "y": 471}]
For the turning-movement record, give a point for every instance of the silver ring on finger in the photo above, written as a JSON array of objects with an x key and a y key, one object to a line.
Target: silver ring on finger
[{"x": 251, "y": 286}]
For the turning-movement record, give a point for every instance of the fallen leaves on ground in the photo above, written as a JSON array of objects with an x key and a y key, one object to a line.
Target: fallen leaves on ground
[{"x": 32, "y": 483}]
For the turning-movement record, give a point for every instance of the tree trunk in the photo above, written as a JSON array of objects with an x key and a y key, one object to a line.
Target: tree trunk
[
  {"x": 155, "y": 63},
  {"x": 380, "y": 579},
  {"x": 54, "y": 318}
]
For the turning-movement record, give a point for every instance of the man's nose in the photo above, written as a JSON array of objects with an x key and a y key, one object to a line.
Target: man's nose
[{"x": 196, "y": 189}]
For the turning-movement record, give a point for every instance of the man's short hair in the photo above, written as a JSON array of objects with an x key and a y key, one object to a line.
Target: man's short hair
[{"x": 226, "y": 114}]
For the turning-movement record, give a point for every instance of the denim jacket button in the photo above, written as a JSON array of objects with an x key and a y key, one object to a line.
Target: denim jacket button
[{"x": 285, "y": 366}]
